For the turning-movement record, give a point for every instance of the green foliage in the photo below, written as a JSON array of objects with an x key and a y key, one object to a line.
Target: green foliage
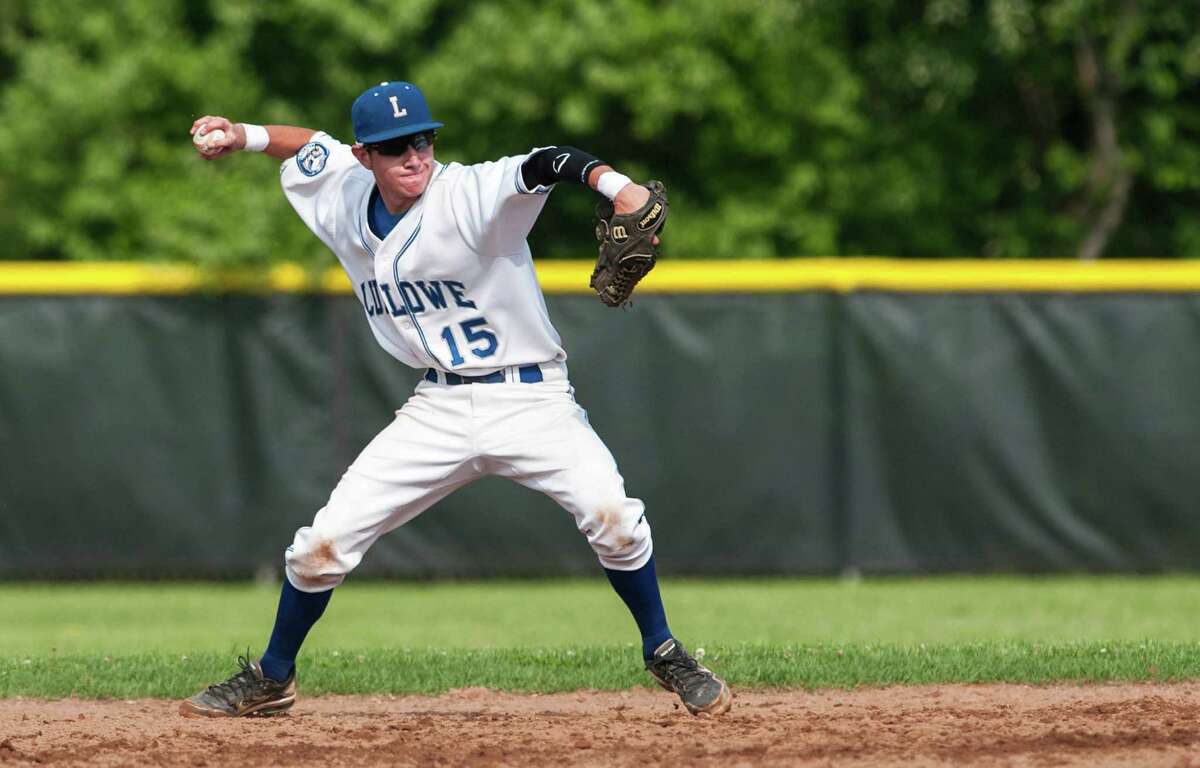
[{"x": 781, "y": 127}]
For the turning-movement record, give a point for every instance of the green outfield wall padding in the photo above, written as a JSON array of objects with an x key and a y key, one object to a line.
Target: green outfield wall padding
[
  {"x": 1019, "y": 432},
  {"x": 814, "y": 432}
]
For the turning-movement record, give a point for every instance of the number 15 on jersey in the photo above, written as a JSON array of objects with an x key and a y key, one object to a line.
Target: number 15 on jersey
[{"x": 480, "y": 342}]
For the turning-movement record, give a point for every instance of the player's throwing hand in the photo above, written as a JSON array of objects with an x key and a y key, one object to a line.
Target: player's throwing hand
[{"x": 215, "y": 137}]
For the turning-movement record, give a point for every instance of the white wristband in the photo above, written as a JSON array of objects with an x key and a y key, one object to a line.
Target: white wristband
[
  {"x": 611, "y": 182},
  {"x": 257, "y": 137}
]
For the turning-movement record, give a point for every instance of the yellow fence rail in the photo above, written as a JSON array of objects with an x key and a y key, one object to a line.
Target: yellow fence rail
[{"x": 566, "y": 277}]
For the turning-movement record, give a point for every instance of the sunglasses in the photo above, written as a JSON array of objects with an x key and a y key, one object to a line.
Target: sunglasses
[{"x": 400, "y": 144}]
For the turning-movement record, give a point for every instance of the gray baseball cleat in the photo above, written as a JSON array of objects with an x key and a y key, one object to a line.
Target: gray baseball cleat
[
  {"x": 246, "y": 693},
  {"x": 702, "y": 692}
]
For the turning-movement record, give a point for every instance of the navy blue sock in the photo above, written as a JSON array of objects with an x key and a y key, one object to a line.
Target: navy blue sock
[
  {"x": 298, "y": 611},
  {"x": 639, "y": 590}
]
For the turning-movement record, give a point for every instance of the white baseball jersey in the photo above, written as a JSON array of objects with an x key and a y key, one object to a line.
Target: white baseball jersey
[{"x": 452, "y": 287}]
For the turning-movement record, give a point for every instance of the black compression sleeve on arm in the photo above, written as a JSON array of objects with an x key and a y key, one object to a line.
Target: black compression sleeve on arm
[{"x": 553, "y": 164}]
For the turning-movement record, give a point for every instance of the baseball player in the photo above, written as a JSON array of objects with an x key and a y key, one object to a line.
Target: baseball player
[{"x": 438, "y": 257}]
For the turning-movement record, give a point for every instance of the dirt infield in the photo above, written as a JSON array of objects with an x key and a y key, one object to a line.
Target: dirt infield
[{"x": 1095, "y": 725}]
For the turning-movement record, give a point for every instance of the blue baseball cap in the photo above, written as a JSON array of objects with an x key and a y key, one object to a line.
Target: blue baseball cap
[{"x": 390, "y": 110}]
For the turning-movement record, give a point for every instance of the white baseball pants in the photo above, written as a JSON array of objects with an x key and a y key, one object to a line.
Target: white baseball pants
[{"x": 446, "y": 436}]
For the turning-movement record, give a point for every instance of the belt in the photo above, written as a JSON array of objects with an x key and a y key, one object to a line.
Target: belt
[{"x": 527, "y": 374}]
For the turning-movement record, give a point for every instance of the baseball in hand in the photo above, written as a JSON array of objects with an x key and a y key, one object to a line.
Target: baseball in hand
[{"x": 205, "y": 141}]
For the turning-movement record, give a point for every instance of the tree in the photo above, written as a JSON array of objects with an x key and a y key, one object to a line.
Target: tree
[
  {"x": 996, "y": 128},
  {"x": 1068, "y": 119}
]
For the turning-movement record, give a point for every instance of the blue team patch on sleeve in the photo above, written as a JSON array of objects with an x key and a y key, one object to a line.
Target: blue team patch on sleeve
[{"x": 311, "y": 158}]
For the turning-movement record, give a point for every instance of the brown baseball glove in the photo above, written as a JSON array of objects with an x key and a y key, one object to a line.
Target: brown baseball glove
[{"x": 627, "y": 248}]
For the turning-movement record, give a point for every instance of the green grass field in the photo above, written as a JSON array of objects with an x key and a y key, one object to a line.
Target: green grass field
[{"x": 127, "y": 640}]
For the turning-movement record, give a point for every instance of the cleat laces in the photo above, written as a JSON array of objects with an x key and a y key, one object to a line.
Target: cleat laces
[
  {"x": 682, "y": 672},
  {"x": 238, "y": 687}
]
